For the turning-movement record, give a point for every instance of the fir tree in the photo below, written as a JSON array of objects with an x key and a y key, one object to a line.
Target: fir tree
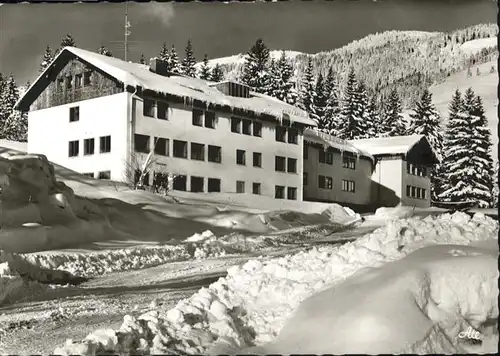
[
  {"x": 189, "y": 61},
  {"x": 481, "y": 160},
  {"x": 47, "y": 59},
  {"x": 217, "y": 73},
  {"x": 393, "y": 122},
  {"x": 426, "y": 121},
  {"x": 496, "y": 190},
  {"x": 205, "y": 69},
  {"x": 104, "y": 51},
  {"x": 9, "y": 118},
  {"x": 459, "y": 178},
  {"x": 164, "y": 54},
  {"x": 142, "y": 60},
  {"x": 307, "y": 94},
  {"x": 67, "y": 41},
  {"x": 351, "y": 125},
  {"x": 174, "y": 64},
  {"x": 319, "y": 102},
  {"x": 256, "y": 68},
  {"x": 332, "y": 109},
  {"x": 363, "y": 113},
  {"x": 282, "y": 85},
  {"x": 374, "y": 117}
]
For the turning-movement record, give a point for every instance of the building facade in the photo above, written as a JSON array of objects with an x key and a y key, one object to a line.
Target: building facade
[
  {"x": 336, "y": 171},
  {"x": 401, "y": 174},
  {"x": 105, "y": 118}
]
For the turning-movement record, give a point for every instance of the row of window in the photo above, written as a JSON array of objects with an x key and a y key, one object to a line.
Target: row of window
[
  {"x": 416, "y": 170},
  {"x": 197, "y": 185},
  {"x": 327, "y": 158},
  {"x": 325, "y": 182},
  {"x": 89, "y": 146},
  {"x": 246, "y": 127},
  {"x": 415, "y": 192},
  {"x": 69, "y": 82},
  {"x": 100, "y": 175},
  {"x": 214, "y": 153}
]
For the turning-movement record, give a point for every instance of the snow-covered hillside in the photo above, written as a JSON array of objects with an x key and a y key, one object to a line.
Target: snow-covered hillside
[
  {"x": 239, "y": 59},
  {"x": 475, "y": 46}
]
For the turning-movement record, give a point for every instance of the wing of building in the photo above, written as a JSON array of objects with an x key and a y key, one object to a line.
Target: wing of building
[{"x": 401, "y": 175}]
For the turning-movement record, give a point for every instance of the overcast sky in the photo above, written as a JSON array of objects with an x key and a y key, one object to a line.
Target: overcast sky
[{"x": 219, "y": 29}]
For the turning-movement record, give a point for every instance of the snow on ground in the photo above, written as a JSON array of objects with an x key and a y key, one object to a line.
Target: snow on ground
[
  {"x": 475, "y": 46},
  {"x": 251, "y": 305}
]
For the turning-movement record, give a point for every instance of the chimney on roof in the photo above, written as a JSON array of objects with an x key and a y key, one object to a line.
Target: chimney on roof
[{"x": 158, "y": 66}]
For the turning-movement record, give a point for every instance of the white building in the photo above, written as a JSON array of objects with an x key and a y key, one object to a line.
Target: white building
[
  {"x": 401, "y": 175},
  {"x": 101, "y": 116}
]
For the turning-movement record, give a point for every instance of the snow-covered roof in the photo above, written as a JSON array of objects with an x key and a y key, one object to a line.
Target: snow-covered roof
[
  {"x": 137, "y": 75},
  {"x": 315, "y": 136},
  {"x": 398, "y": 145}
]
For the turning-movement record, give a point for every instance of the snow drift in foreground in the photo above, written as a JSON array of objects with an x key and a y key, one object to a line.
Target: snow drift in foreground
[{"x": 251, "y": 305}]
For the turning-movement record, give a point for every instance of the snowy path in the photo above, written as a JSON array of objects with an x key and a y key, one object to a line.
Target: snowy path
[{"x": 35, "y": 327}]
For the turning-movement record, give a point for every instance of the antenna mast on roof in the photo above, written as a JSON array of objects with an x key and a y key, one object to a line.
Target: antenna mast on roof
[{"x": 127, "y": 32}]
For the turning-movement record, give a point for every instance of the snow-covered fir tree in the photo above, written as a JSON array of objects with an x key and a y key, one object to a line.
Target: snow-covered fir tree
[
  {"x": 496, "y": 190},
  {"x": 467, "y": 159},
  {"x": 205, "y": 69},
  {"x": 47, "y": 59},
  {"x": 482, "y": 160},
  {"x": 164, "y": 54},
  {"x": 104, "y": 51},
  {"x": 10, "y": 119},
  {"x": 393, "y": 123},
  {"x": 425, "y": 120},
  {"x": 174, "y": 64},
  {"x": 319, "y": 103},
  {"x": 363, "y": 112},
  {"x": 351, "y": 124},
  {"x": 332, "y": 109},
  {"x": 282, "y": 85},
  {"x": 68, "y": 41},
  {"x": 373, "y": 113},
  {"x": 256, "y": 68},
  {"x": 142, "y": 60},
  {"x": 189, "y": 61},
  {"x": 307, "y": 93},
  {"x": 455, "y": 151},
  {"x": 217, "y": 73}
]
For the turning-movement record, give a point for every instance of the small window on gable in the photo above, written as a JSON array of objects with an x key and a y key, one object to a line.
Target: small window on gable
[
  {"x": 87, "y": 77},
  {"x": 60, "y": 84},
  {"x": 69, "y": 82},
  {"x": 78, "y": 81}
]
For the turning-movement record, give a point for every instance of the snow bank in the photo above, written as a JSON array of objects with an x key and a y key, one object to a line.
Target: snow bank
[
  {"x": 20, "y": 280},
  {"x": 107, "y": 261},
  {"x": 252, "y": 303},
  {"x": 38, "y": 212},
  {"x": 419, "y": 304}
]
